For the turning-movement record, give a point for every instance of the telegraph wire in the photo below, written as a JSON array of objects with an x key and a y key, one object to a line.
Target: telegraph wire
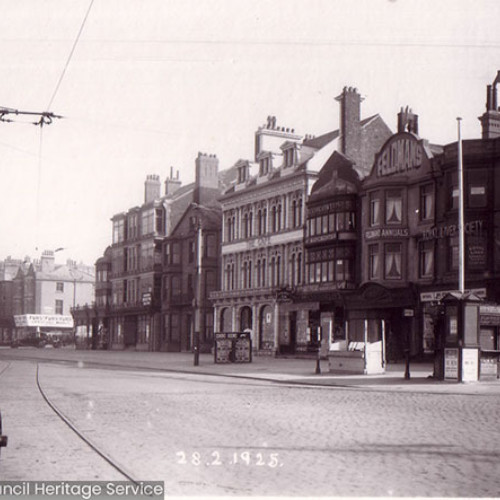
[
  {"x": 46, "y": 119},
  {"x": 38, "y": 188}
]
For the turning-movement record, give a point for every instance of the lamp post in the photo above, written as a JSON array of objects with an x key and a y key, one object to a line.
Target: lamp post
[
  {"x": 461, "y": 215},
  {"x": 318, "y": 358},
  {"x": 197, "y": 297}
]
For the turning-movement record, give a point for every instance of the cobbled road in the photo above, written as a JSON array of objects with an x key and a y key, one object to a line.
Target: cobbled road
[{"x": 207, "y": 435}]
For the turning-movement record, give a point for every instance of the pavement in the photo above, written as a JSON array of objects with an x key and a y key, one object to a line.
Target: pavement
[{"x": 284, "y": 370}]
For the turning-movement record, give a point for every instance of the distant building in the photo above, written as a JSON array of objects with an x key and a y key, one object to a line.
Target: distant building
[{"x": 44, "y": 293}]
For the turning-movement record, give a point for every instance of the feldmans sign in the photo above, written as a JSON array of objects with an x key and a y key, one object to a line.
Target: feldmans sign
[
  {"x": 44, "y": 320},
  {"x": 402, "y": 154}
]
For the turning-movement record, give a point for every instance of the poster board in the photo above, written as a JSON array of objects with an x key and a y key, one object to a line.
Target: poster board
[
  {"x": 451, "y": 363},
  {"x": 233, "y": 347}
]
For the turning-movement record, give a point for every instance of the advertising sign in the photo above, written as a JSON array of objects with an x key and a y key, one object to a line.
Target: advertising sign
[
  {"x": 451, "y": 364},
  {"x": 223, "y": 349},
  {"x": 470, "y": 365},
  {"x": 233, "y": 347},
  {"x": 43, "y": 320}
]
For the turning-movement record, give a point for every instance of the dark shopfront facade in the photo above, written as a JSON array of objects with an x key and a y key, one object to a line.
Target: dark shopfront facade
[
  {"x": 410, "y": 252},
  {"x": 398, "y": 201},
  {"x": 481, "y": 163}
]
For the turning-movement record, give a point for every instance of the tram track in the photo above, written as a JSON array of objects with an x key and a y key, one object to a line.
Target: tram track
[
  {"x": 95, "y": 448},
  {"x": 5, "y": 368}
]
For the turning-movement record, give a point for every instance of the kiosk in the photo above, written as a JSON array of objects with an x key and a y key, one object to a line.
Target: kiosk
[
  {"x": 457, "y": 352},
  {"x": 362, "y": 351}
]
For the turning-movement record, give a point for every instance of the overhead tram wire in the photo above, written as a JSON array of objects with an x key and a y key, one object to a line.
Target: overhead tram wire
[
  {"x": 70, "y": 54},
  {"x": 47, "y": 119},
  {"x": 44, "y": 118}
]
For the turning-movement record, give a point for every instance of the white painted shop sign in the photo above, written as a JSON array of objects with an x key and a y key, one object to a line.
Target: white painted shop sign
[
  {"x": 438, "y": 295},
  {"x": 44, "y": 320},
  {"x": 400, "y": 156}
]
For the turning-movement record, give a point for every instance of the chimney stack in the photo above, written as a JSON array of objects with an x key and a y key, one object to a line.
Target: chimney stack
[
  {"x": 152, "y": 188},
  {"x": 47, "y": 261},
  {"x": 490, "y": 120},
  {"x": 172, "y": 184},
  {"x": 350, "y": 129},
  {"x": 407, "y": 121},
  {"x": 207, "y": 178}
]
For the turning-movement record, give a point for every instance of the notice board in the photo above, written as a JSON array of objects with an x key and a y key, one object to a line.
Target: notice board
[{"x": 233, "y": 347}]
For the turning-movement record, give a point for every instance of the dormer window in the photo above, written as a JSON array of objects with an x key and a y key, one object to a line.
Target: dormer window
[
  {"x": 290, "y": 153},
  {"x": 264, "y": 165},
  {"x": 242, "y": 173},
  {"x": 289, "y": 157}
]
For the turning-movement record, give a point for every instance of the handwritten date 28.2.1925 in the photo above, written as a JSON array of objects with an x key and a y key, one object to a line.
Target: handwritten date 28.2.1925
[{"x": 218, "y": 459}]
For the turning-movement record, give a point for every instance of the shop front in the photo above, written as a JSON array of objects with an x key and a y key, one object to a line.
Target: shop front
[{"x": 380, "y": 327}]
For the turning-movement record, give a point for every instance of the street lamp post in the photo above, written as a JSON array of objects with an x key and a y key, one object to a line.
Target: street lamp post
[
  {"x": 318, "y": 358},
  {"x": 197, "y": 298},
  {"x": 461, "y": 215}
]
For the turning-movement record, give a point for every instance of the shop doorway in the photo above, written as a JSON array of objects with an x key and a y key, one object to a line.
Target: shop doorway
[
  {"x": 245, "y": 319},
  {"x": 266, "y": 329},
  {"x": 225, "y": 323},
  {"x": 130, "y": 331}
]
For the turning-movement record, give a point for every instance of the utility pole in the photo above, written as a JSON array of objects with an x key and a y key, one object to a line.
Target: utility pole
[
  {"x": 197, "y": 299},
  {"x": 44, "y": 117},
  {"x": 461, "y": 215}
]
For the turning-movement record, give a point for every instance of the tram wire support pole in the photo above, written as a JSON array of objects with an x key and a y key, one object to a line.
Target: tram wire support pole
[
  {"x": 318, "y": 357},
  {"x": 197, "y": 298}
]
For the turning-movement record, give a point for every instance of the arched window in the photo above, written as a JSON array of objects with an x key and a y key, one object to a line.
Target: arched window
[
  {"x": 299, "y": 268},
  {"x": 299, "y": 212},
  {"x": 272, "y": 269},
  {"x": 278, "y": 271},
  {"x": 228, "y": 229},
  {"x": 274, "y": 221},
  {"x": 245, "y": 225}
]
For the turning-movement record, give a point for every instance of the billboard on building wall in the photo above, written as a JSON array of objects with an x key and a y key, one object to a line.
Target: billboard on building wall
[{"x": 44, "y": 320}]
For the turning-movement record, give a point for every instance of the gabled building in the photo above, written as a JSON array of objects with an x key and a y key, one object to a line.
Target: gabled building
[
  {"x": 130, "y": 274},
  {"x": 410, "y": 238},
  {"x": 332, "y": 246},
  {"x": 263, "y": 255},
  {"x": 191, "y": 271},
  {"x": 398, "y": 201},
  {"x": 44, "y": 294}
]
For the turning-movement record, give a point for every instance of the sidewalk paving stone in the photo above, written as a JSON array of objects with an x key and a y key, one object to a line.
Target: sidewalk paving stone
[{"x": 281, "y": 370}]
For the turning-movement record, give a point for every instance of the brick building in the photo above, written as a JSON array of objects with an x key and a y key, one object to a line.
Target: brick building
[{"x": 263, "y": 255}]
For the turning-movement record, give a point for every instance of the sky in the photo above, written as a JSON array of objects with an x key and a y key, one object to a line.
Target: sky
[{"x": 150, "y": 83}]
